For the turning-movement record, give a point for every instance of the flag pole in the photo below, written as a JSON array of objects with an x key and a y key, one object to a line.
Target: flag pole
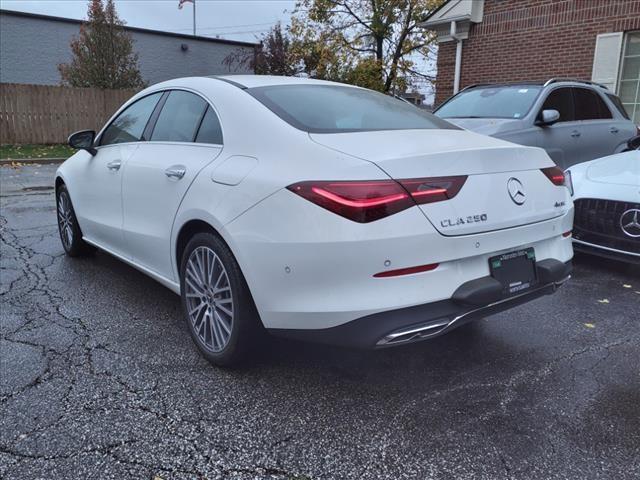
[{"x": 194, "y": 18}]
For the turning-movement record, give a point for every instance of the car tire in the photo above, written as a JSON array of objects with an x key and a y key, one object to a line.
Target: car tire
[
  {"x": 68, "y": 227},
  {"x": 217, "y": 304}
]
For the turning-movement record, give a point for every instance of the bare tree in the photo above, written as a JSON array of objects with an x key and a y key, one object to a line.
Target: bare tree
[{"x": 273, "y": 57}]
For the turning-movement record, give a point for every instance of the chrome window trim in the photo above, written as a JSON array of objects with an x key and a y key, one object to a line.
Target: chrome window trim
[{"x": 131, "y": 101}]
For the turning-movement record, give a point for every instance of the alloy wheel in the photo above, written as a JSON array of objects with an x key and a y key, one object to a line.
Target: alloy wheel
[
  {"x": 209, "y": 298},
  {"x": 65, "y": 220}
]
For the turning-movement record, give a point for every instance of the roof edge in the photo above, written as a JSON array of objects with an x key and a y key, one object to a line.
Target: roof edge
[
  {"x": 424, "y": 20},
  {"x": 472, "y": 12}
]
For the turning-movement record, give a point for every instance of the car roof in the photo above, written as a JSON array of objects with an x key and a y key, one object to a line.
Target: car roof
[
  {"x": 252, "y": 81},
  {"x": 548, "y": 83},
  {"x": 242, "y": 82},
  {"x": 506, "y": 84}
]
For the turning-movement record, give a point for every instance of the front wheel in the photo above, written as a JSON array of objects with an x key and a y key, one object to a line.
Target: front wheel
[
  {"x": 70, "y": 233},
  {"x": 219, "y": 310}
]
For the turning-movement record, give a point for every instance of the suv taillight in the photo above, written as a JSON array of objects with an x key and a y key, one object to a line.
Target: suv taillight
[
  {"x": 367, "y": 201},
  {"x": 555, "y": 174}
]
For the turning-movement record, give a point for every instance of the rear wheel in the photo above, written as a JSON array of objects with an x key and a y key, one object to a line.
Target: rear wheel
[
  {"x": 218, "y": 307},
  {"x": 70, "y": 233}
]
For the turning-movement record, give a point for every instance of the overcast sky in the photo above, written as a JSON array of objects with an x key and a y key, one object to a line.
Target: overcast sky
[{"x": 234, "y": 19}]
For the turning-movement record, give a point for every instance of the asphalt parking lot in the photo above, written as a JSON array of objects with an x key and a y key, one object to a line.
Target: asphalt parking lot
[{"x": 100, "y": 379}]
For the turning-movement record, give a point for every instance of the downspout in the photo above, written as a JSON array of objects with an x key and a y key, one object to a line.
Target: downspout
[{"x": 456, "y": 75}]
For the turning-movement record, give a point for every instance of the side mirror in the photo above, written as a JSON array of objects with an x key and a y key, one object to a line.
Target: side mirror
[
  {"x": 548, "y": 117},
  {"x": 634, "y": 143},
  {"x": 83, "y": 140}
]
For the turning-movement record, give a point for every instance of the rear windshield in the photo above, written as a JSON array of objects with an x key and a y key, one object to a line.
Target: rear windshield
[
  {"x": 512, "y": 101},
  {"x": 336, "y": 109}
]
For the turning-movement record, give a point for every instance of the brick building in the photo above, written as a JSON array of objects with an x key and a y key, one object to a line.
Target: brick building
[{"x": 515, "y": 40}]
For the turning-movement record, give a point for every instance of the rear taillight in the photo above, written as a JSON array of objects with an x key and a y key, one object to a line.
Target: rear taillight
[
  {"x": 429, "y": 190},
  {"x": 555, "y": 174},
  {"x": 367, "y": 201},
  {"x": 358, "y": 201}
]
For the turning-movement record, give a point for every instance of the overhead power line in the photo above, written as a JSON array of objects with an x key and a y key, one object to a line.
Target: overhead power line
[{"x": 222, "y": 27}]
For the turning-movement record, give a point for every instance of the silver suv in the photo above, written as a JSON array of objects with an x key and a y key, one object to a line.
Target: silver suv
[{"x": 573, "y": 120}]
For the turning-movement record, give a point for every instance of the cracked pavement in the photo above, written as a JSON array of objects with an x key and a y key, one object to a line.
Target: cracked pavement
[{"x": 99, "y": 379}]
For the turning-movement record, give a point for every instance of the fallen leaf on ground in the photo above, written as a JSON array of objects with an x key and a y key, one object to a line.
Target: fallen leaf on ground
[
  {"x": 604, "y": 300},
  {"x": 589, "y": 325}
]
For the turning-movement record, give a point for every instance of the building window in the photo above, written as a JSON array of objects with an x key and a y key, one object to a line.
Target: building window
[{"x": 629, "y": 86}]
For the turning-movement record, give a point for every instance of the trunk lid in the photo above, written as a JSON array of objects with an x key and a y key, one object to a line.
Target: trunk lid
[
  {"x": 487, "y": 126},
  {"x": 484, "y": 203}
]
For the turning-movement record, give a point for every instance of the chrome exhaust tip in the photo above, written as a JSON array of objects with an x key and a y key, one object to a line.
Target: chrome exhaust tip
[
  {"x": 413, "y": 333},
  {"x": 440, "y": 325}
]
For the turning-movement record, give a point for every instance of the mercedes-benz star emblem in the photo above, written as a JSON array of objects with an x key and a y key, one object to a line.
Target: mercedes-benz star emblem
[
  {"x": 516, "y": 191},
  {"x": 630, "y": 223}
]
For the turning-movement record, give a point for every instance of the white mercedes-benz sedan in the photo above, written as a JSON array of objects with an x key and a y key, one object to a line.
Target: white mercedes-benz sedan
[
  {"x": 606, "y": 194},
  {"x": 314, "y": 210}
]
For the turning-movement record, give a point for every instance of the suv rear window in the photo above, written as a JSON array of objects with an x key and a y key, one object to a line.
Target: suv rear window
[
  {"x": 618, "y": 103},
  {"x": 589, "y": 105},
  {"x": 336, "y": 109}
]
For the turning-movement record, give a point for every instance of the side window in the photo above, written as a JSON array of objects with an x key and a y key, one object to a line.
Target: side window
[
  {"x": 561, "y": 100},
  {"x": 616, "y": 101},
  {"x": 130, "y": 124},
  {"x": 210, "y": 130},
  {"x": 179, "y": 118},
  {"x": 589, "y": 105}
]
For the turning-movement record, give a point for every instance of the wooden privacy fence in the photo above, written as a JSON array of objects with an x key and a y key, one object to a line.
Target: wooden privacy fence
[{"x": 41, "y": 114}]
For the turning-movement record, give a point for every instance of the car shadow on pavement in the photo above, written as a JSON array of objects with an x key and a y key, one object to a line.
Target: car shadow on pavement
[
  {"x": 459, "y": 351},
  {"x": 605, "y": 265},
  {"x": 467, "y": 347}
]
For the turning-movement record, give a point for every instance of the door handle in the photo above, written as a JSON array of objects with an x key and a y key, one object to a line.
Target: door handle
[
  {"x": 114, "y": 166},
  {"x": 176, "y": 171},
  {"x": 575, "y": 134},
  {"x": 614, "y": 130}
]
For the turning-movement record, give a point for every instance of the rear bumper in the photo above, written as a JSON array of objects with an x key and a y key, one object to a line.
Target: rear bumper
[
  {"x": 308, "y": 268},
  {"x": 474, "y": 299}
]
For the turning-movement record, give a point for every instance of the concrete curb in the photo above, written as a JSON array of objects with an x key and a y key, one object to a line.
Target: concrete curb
[{"x": 30, "y": 161}]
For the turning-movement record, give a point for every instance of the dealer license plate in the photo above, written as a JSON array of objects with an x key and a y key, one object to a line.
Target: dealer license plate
[{"x": 516, "y": 271}]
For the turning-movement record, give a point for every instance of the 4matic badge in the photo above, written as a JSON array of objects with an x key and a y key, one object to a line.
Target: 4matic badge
[{"x": 454, "y": 222}]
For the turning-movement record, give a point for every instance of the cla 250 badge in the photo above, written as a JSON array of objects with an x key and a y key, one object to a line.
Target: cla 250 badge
[{"x": 454, "y": 222}]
